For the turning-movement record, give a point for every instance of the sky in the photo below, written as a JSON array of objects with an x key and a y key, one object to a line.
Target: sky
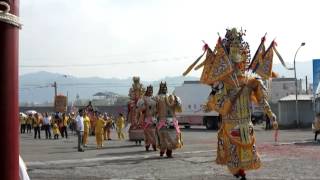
[{"x": 154, "y": 38}]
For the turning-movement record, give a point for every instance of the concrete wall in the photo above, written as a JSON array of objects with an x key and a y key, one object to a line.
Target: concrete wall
[{"x": 287, "y": 114}]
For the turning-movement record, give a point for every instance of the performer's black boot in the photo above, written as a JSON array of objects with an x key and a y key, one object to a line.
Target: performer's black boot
[
  {"x": 147, "y": 147},
  {"x": 161, "y": 153},
  {"x": 169, "y": 153},
  {"x": 154, "y": 147}
]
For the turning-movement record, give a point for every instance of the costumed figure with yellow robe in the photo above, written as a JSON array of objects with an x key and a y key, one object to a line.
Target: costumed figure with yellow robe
[
  {"x": 147, "y": 107},
  {"x": 235, "y": 85},
  {"x": 168, "y": 131}
]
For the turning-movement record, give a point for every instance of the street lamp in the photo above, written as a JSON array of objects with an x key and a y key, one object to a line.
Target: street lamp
[{"x": 296, "y": 82}]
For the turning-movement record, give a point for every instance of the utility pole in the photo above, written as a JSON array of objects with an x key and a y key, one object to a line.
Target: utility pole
[
  {"x": 55, "y": 89},
  {"x": 296, "y": 83},
  {"x": 307, "y": 85},
  {"x": 9, "y": 57}
]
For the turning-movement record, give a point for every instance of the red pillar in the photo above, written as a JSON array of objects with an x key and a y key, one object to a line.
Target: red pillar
[{"x": 9, "y": 109}]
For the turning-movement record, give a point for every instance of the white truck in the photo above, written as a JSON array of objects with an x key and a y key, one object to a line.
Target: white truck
[{"x": 193, "y": 95}]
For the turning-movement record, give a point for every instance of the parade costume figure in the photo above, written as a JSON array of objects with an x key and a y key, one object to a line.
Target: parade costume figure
[
  {"x": 147, "y": 108},
  {"x": 168, "y": 131},
  {"x": 235, "y": 86},
  {"x": 134, "y": 118}
]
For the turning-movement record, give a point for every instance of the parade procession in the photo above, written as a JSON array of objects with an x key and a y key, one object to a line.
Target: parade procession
[{"x": 159, "y": 90}]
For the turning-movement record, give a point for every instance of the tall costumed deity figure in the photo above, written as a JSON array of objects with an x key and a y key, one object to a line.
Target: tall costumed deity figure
[
  {"x": 147, "y": 107},
  {"x": 236, "y": 85},
  {"x": 168, "y": 132},
  {"x": 134, "y": 117}
]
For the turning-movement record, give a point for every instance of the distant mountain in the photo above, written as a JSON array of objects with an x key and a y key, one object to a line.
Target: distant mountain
[{"x": 38, "y": 87}]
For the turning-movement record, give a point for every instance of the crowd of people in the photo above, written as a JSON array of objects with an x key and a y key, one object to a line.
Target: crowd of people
[{"x": 57, "y": 125}]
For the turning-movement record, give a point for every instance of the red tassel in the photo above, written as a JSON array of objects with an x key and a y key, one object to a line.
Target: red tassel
[
  {"x": 276, "y": 135},
  {"x": 205, "y": 46}
]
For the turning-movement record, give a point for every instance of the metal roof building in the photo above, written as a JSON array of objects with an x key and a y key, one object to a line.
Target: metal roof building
[{"x": 287, "y": 111}]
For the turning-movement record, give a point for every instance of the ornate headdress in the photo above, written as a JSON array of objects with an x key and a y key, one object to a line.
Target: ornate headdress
[
  {"x": 237, "y": 49},
  {"x": 149, "y": 90},
  {"x": 163, "y": 88}
]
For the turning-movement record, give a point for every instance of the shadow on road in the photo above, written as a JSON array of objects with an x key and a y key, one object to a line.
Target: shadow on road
[
  {"x": 197, "y": 130},
  {"x": 126, "y": 153},
  {"x": 309, "y": 142}
]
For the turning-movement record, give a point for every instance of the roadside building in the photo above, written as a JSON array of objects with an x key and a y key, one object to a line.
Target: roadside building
[{"x": 287, "y": 111}]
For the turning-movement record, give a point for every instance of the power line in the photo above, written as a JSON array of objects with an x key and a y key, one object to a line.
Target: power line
[
  {"x": 105, "y": 64},
  {"x": 88, "y": 85}
]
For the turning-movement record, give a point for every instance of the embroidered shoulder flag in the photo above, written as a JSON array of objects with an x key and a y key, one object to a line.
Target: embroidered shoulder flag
[
  {"x": 264, "y": 67},
  {"x": 258, "y": 55},
  {"x": 218, "y": 67},
  {"x": 205, "y": 48}
]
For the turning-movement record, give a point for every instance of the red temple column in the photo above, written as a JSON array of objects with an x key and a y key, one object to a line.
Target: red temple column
[{"x": 9, "y": 109}]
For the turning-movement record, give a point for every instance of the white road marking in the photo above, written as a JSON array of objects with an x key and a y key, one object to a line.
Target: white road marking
[{"x": 86, "y": 160}]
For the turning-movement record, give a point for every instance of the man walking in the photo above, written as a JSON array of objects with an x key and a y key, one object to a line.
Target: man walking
[
  {"x": 64, "y": 129},
  {"x": 36, "y": 126},
  {"x": 46, "y": 124},
  {"x": 80, "y": 129}
]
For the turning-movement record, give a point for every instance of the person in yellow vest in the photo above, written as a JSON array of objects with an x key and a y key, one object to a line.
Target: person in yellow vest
[
  {"x": 22, "y": 124},
  {"x": 64, "y": 129},
  {"x": 86, "y": 124},
  {"x": 36, "y": 126},
  {"x": 100, "y": 124},
  {"x": 29, "y": 123},
  {"x": 107, "y": 127},
  {"x": 55, "y": 131},
  {"x": 120, "y": 125}
]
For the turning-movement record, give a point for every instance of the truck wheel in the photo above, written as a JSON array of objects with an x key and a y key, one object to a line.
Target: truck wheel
[
  {"x": 187, "y": 126},
  {"x": 209, "y": 124}
]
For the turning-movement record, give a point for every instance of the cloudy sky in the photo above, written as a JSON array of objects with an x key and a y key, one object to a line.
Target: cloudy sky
[{"x": 154, "y": 38}]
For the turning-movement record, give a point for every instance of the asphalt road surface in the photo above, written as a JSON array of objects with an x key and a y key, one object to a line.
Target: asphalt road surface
[{"x": 295, "y": 156}]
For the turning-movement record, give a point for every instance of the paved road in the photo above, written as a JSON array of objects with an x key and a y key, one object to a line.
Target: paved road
[{"x": 295, "y": 157}]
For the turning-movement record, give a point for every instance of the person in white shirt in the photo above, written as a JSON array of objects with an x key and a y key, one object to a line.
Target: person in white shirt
[
  {"x": 46, "y": 124},
  {"x": 80, "y": 129}
]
